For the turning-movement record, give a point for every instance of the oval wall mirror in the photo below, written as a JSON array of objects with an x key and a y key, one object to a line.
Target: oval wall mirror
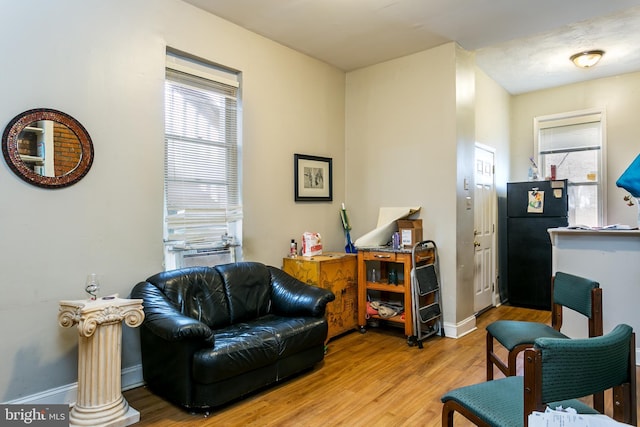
[{"x": 47, "y": 148}]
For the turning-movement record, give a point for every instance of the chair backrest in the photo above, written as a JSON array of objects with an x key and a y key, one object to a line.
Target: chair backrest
[
  {"x": 573, "y": 292},
  {"x": 579, "y": 294},
  {"x": 560, "y": 369}
]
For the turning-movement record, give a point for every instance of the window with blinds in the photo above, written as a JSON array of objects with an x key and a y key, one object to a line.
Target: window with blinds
[
  {"x": 573, "y": 144},
  {"x": 203, "y": 208}
]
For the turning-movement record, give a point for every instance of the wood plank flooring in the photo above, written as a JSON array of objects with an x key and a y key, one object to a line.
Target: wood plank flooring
[{"x": 371, "y": 379}]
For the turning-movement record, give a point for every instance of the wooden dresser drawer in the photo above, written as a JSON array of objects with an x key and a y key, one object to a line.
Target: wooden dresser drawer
[{"x": 380, "y": 256}]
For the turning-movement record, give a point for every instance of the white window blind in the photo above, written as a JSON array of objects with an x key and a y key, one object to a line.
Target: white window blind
[
  {"x": 582, "y": 133},
  {"x": 202, "y": 191}
]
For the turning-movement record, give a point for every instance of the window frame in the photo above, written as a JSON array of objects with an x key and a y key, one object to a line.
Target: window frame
[
  {"x": 204, "y": 77},
  {"x": 576, "y": 118}
]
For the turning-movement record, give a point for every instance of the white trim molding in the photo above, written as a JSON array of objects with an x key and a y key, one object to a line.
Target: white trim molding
[{"x": 131, "y": 378}]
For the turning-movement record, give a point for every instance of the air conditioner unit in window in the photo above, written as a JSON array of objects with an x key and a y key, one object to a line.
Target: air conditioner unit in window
[{"x": 200, "y": 257}]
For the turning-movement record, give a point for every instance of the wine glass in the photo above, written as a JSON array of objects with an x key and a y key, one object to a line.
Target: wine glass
[{"x": 92, "y": 285}]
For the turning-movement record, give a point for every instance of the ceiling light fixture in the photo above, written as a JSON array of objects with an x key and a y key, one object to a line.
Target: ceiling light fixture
[{"x": 587, "y": 59}]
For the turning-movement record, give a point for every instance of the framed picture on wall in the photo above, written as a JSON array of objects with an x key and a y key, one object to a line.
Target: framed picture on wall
[{"x": 313, "y": 177}]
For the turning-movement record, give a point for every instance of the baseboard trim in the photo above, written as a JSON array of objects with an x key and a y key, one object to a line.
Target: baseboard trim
[
  {"x": 460, "y": 329},
  {"x": 67, "y": 394},
  {"x": 132, "y": 377}
]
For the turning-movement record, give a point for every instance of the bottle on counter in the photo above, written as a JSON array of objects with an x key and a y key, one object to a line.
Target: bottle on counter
[
  {"x": 395, "y": 240},
  {"x": 293, "y": 250}
]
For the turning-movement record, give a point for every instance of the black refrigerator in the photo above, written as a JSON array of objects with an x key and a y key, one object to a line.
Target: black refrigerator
[{"x": 532, "y": 208}]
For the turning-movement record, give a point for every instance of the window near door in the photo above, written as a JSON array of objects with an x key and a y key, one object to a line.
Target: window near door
[
  {"x": 573, "y": 145},
  {"x": 202, "y": 194}
]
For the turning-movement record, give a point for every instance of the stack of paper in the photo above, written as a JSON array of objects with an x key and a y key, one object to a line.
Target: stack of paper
[{"x": 569, "y": 418}]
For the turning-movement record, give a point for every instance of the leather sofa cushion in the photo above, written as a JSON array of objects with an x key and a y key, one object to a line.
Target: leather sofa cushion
[
  {"x": 296, "y": 334},
  {"x": 248, "y": 287},
  {"x": 197, "y": 292},
  {"x": 246, "y": 346}
]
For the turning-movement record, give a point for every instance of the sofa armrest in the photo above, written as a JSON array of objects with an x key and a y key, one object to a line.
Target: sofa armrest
[
  {"x": 291, "y": 297},
  {"x": 163, "y": 319}
]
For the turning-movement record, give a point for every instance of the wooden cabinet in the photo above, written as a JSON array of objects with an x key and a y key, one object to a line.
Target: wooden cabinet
[
  {"x": 338, "y": 273},
  {"x": 384, "y": 261}
]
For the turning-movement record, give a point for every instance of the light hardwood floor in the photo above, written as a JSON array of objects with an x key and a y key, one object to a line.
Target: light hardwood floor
[{"x": 371, "y": 379}]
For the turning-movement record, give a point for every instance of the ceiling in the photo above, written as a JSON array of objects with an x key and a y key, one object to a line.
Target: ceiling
[{"x": 524, "y": 45}]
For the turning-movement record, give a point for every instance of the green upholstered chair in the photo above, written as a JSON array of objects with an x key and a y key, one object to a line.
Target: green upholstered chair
[
  {"x": 556, "y": 370},
  {"x": 576, "y": 293}
]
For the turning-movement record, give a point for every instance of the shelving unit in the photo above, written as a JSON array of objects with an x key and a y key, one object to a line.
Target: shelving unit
[
  {"x": 29, "y": 140},
  {"x": 40, "y": 137},
  {"x": 385, "y": 259}
]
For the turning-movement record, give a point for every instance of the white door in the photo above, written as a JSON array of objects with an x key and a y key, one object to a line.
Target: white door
[{"x": 484, "y": 229}]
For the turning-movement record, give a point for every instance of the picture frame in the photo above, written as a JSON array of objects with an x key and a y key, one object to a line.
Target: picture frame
[{"x": 313, "y": 178}]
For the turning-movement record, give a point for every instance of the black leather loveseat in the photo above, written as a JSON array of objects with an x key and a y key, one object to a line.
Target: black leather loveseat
[{"x": 211, "y": 335}]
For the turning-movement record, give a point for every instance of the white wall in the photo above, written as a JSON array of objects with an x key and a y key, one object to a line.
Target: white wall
[
  {"x": 493, "y": 104},
  {"x": 493, "y": 116},
  {"x": 103, "y": 63},
  {"x": 411, "y": 128},
  {"x": 465, "y": 168},
  {"x": 402, "y": 150},
  {"x": 619, "y": 97}
]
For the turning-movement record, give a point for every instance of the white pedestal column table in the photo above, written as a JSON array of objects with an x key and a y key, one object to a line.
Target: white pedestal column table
[{"x": 100, "y": 402}]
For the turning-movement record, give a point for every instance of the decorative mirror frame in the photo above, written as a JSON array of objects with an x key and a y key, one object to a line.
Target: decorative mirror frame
[{"x": 12, "y": 156}]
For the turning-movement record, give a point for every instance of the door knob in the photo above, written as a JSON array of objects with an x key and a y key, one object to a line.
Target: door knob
[{"x": 476, "y": 243}]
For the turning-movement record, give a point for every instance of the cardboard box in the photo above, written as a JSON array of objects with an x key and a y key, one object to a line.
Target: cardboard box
[{"x": 410, "y": 232}]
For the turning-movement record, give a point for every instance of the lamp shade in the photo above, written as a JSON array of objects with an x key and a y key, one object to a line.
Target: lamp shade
[{"x": 630, "y": 179}]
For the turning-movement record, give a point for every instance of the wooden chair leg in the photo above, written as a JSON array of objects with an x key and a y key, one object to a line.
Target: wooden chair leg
[
  {"x": 598, "y": 402},
  {"x": 494, "y": 360},
  {"x": 447, "y": 415},
  {"x": 512, "y": 368},
  {"x": 513, "y": 361},
  {"x": 622, "y": 404},
  {"x": 450, "y": 407},
  {"x": 489, "y": 351}
]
